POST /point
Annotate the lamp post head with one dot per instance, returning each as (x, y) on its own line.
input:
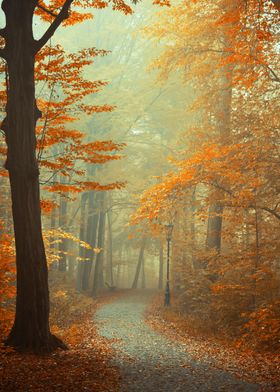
(168, 230)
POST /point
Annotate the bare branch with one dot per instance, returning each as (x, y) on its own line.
(275, 78)
(273, 212)
(63, 14)
(229, 192)
(43, 135)
(46, 10)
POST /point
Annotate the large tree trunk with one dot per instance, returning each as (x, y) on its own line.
(223, 124)
(214, 228)
(30, 330)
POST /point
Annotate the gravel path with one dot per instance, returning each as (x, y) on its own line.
(149, 361)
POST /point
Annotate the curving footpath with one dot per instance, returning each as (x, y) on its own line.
(149, 361)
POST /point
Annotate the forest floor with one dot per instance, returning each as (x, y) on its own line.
(261, 368)
(84, 367)
(152, 361)
(125, 342)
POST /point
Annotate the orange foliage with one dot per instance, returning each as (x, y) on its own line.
(79, 15)
(227, 54)
(47, 206)
(63, 75)
(263, 327)
(82, 186)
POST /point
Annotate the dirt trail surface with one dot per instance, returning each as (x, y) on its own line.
(149, 361)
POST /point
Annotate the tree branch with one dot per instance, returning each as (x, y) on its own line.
(273, 212)
(46, 10)
(275, 78)
(267, 209)
(62, 15)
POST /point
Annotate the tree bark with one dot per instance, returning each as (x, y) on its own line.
(30, 331)
(214, 228)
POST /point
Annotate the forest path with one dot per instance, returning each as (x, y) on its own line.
(149, 361)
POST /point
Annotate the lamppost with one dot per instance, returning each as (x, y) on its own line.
(169, 229)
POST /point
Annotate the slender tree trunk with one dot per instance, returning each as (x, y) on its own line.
(139, 264)
(119, 264)
(82, 237)
(71, 266)
(193, 232)
(53, 244)
(62, 264)
(110, 276)
(53, 216)
(143, 282)
(92, 222)
(160, 275)
(98, 280)
(30, 330)
(257, 256)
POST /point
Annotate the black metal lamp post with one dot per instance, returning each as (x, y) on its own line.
(169, 229)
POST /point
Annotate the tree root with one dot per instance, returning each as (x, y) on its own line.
(34, 346)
